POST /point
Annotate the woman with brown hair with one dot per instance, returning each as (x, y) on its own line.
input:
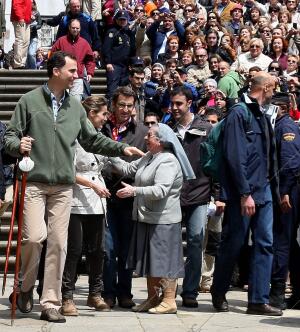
(279, 47)
(171, 50)
(87, 219)
(226, 49)
(190, 34)
(198, 42)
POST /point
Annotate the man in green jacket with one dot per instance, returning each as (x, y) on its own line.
(230, 81)
(46, 123)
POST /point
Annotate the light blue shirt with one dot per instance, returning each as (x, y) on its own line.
(56, 105)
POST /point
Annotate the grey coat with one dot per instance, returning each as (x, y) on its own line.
(158, 183)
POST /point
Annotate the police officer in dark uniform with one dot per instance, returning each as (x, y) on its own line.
(118, 47)
(286, 215)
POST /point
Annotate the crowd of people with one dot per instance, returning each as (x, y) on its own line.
(180, 75)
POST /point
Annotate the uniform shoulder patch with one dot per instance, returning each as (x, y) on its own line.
(111, 34)
(289, 136)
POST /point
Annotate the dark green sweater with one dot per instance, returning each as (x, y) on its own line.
(54, 145)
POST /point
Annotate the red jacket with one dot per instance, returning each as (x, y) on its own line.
(82, 51)
(21, 10)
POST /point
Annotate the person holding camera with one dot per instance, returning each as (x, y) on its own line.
(158, 34)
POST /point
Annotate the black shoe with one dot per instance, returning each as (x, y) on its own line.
(277, 294)
(24, 301)
(263, 309)
(189, 302)
(126, 302)
(293, 302)
(220, 303)
(110, 302)
(52, 315)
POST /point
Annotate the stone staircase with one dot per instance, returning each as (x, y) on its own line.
(13, 84)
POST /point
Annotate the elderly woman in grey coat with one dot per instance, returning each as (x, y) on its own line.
(156, 246)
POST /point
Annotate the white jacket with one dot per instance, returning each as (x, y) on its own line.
(85, 200)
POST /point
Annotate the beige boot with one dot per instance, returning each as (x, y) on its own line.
(168, 304)
(153, 299)
(68, 308)
(97, 302)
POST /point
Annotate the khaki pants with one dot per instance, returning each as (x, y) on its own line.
(54, 201)
(214, 224)
(22, 38)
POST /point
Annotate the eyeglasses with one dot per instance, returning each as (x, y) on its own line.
(254, 46)
(122, 106)
(274, 68)
(147, 123)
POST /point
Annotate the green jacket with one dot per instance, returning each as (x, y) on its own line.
(54, 146)
(230, 84)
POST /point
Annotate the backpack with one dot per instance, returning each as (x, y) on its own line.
(211, 151)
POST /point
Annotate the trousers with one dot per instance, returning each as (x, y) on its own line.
(55, 202)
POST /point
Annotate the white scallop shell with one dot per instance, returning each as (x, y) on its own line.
(26, 164)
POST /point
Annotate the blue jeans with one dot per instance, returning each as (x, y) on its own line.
(195, 218)
(234, 236)
(31, 55)
(116, 277)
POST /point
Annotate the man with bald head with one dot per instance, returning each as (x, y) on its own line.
(249, 184)
(230, 82)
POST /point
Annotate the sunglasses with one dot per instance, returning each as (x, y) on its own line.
(139, 10)
(292, 61)
(147, 123)
(155, 13)
(189, 10)
(275, 68)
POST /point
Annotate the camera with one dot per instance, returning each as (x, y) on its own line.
(172, 75)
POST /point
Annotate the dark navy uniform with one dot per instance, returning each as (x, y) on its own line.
(285, 224)
(118, 47)
(249, 167)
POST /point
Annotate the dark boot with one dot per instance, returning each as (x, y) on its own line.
(277, 293)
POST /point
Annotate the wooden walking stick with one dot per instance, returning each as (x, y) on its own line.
(25, 165)
(11, 230)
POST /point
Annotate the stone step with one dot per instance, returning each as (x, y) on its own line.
(11, 89)
(35, 73)
(7, 80)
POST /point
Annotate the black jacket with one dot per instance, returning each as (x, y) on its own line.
(199, 190)
(287, 134)
(118, 46)
(134, 136)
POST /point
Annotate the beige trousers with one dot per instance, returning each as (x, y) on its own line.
(54, 201)
(22, 38)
